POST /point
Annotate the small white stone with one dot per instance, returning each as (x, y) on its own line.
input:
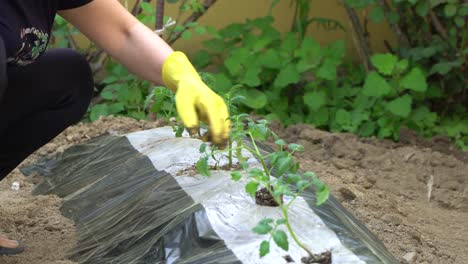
(15, 186)
(410, 257)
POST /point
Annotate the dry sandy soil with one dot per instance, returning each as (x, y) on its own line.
(413, 195)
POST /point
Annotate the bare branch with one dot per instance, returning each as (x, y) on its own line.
(192, 18)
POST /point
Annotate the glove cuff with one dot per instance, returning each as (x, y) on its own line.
(176, 68)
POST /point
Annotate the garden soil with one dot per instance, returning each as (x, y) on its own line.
(413, 195)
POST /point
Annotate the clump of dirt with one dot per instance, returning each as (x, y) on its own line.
(265, 198)
(323, 258)
(413, 194)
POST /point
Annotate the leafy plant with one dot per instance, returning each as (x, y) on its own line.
(279, 175)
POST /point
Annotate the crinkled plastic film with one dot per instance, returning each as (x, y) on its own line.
(138, 199)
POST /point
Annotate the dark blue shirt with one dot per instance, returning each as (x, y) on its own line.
(25, 26)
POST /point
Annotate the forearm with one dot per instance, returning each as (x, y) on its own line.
(113, 28)
(143, 52)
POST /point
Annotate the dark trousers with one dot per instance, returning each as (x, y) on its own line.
(40, 100)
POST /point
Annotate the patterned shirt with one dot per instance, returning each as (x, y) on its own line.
(25, 26)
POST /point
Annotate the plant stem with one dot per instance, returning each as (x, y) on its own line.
(257, 152)
(293, 235)
(230, 153)
(284, 209)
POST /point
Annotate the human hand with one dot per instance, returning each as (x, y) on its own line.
(195, 101)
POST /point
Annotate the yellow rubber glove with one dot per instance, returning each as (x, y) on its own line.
(195, 101)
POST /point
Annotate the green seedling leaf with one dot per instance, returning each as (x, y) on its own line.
(281, 239)
(251, 188)
(375, 85)
(322, 195)
(284, 163)
(400, 106)
(256, 173)
(415, 80)
(281, 221)
(264, 248)
(266, 221)
(296, 147)
(180, 130)
(280, 142)
(309, 174)
(385, 63)
(202, 148)
(202, 166)
(262, 228)
(236, 176)
(260, 131)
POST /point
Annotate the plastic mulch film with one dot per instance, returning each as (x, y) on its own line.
(138, 199)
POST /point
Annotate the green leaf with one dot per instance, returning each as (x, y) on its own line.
(280, 142)
(97, 111)
(422, 8)
(315, 100)
(108, 93)
(343, 118)
(262, 228)
(327, 70)
(322, 195)
(375, 85)
(460, 21)
(186, 35)
(264, 248)
(202, 167)
(402, 66)
(296, 147)
(415, 80)
(377, 14)
(250, 77)
(393, 17)
(400, 106)
(385, 63)
(202, 59)
(287, 75)
(367, 129)
(116, 108)
(281, 221)
(251, 188)
(450, 10)
(290, 42)
(202, 148)
(236, 176)
(270, 59)
(253, 98)
(445, 67)
(256, 173)
(284, 163)
(233, 64)
(281, 239)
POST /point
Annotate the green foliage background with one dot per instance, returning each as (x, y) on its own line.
(419, 84)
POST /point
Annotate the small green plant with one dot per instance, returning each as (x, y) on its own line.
(278, 176)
